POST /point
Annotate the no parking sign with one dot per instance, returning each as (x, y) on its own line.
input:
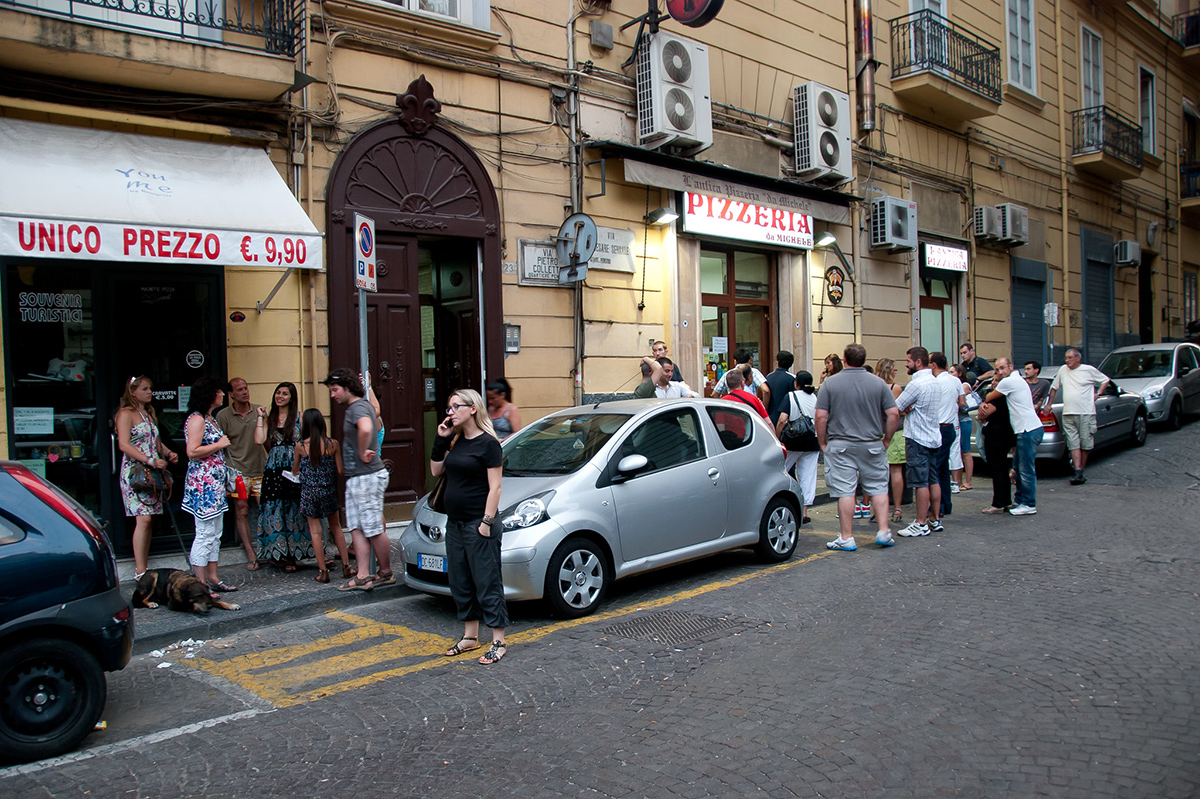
(364, 253)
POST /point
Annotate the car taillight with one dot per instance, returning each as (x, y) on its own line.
(1049, 421)
(56, 499)
(122, 615)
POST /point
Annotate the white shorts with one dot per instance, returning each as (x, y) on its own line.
(364, 502)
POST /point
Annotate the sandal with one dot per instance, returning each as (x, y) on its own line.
(383, 578)
(494, 653)
(357, 584)
(348, 570)
(288, 565)
(322, 576)
(222, 587)
(992, 509)
(458, 648)
(896, 517)
(253, 566)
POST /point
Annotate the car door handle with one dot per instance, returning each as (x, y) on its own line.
(714, 473)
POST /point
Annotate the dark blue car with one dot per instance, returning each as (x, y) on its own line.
(63, 621)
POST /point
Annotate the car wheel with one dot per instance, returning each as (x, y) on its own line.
(1175, 415)
(777, 535)
(52, 693)
(1139, 430)
(576, 578)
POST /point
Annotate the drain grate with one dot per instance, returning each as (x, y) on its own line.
(672, 627)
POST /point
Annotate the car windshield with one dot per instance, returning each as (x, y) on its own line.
(1138, 364)
(559, 444)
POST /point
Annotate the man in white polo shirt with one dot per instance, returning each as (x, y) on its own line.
(1028, 429)
(1078, 382)
(921, 401)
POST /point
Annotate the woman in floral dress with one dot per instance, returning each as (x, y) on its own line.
(137, 437)
(282, 532)
(204, 486)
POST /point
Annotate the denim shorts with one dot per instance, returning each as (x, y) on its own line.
(920, 464)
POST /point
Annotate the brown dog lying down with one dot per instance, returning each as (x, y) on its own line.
(178, 590)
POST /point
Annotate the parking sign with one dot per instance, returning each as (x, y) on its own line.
(364, 253)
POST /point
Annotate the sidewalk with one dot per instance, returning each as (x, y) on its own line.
(267, 596)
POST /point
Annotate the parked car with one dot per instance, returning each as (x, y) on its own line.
(63, 620)
(597, 493)
(1121, 417)
(1166, 375)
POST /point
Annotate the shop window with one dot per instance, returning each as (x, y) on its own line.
(469, 12)
(1191, 303)
(738, 292)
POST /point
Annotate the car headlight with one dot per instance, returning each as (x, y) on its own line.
(1153, 393)
(527, 512)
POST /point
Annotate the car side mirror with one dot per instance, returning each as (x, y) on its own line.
(629, 466)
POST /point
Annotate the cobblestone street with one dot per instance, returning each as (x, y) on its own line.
(1051, 655)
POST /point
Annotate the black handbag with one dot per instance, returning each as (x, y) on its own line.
(437, 498)
(799, 434)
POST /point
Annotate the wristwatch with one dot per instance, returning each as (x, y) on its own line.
(488, 519)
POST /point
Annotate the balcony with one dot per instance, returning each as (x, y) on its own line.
(1106, 144)
(941, 71)
(1189, 190)
(1187, 33)
(227, 48)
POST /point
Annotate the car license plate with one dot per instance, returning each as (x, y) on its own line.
(433, 563)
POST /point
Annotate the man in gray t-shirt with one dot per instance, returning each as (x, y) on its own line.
(856, 417)
(366, 481)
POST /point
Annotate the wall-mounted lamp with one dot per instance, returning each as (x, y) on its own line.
(827, 239)
(661, 216)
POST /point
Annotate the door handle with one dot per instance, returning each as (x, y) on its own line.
(112, 448)
(714, 473)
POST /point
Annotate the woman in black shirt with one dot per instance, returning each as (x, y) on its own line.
(468, 451)
(998, 441)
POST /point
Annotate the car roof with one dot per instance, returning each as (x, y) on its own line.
(636, 406)
(1160, 347)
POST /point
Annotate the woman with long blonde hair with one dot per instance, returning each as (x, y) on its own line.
(468, 452)
(137, 438)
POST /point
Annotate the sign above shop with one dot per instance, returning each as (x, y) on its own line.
(952, 259)
(746, 221)
(99, 195)
(667, 178)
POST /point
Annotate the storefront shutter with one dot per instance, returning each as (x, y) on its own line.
(1028, 300)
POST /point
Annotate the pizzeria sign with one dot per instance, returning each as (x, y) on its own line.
(745, 220)
(952, 259)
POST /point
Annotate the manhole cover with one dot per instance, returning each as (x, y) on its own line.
(673, 627)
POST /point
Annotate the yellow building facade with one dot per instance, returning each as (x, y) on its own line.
(469, 131)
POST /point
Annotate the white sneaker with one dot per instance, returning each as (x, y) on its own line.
(915, 529)
(953, 487)
(884, 539)
(1022, 510)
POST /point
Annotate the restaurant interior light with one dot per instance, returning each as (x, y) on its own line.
(661, 216)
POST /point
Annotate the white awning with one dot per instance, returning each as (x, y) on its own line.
(99, 195)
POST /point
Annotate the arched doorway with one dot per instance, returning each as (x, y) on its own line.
(435, 324)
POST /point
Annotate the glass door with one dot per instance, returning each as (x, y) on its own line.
(737, 294)
(937, 316)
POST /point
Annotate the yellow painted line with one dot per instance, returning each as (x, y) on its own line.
(268, 675)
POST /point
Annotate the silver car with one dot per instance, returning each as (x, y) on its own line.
(1166, 375)
(601, 492)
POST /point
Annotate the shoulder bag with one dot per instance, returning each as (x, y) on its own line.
(799, 434)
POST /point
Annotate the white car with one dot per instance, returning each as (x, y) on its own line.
(1166, 375)
(601, 492)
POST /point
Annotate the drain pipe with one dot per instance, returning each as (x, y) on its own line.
(864, 64)
(576, 187)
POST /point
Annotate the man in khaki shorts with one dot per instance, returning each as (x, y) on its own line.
(1078, 382)
(245, 425)
(856, 418)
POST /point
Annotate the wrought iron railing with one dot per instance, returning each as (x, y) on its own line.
(274, 26)
(928, 42)
(1187, 28)
(1189, 181)
(1100, 129)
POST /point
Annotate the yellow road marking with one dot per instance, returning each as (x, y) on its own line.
(281, 675)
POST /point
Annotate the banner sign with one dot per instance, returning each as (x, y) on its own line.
(746, 221)
(109, 241)
(952, 259)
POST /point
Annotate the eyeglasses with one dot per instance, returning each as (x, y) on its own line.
(450, 411)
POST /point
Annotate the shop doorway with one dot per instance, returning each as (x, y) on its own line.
(74, 337)
(435, 324)
(937, 316)
(738, 293)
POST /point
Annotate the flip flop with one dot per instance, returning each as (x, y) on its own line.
(253, 566)
(222, 587)
(991, 509)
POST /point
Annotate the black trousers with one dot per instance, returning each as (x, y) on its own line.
(999, 463)
(943, 468)
(473, 562)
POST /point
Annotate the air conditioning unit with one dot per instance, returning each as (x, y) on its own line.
(985, 223)
(822, 117)
(893, 224)
(1128, 252)
(1014, 224)
(673, 100)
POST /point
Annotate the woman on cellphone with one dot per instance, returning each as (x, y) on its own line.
(468, 452)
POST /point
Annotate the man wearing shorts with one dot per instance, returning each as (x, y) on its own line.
(856, 418)
(921, 401)
(1080, 384)
(366, 481)
(240, 421)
